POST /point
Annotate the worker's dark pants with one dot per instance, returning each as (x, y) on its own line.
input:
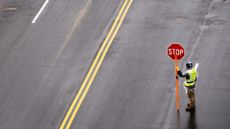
(191, 96)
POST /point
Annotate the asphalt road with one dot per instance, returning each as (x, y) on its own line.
(43, 64)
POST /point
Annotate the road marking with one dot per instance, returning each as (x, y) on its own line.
(77, 102)
(40, 11)
(70, 33)
(98, 67)
(91, 69)
(8, 9)
(77, 22)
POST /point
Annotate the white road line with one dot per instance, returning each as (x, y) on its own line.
(39, 12)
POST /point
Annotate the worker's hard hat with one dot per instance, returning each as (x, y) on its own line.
(189, 65)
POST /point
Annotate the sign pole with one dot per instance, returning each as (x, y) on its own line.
(176, 52)
(177, 88)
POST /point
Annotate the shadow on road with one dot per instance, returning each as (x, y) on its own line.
(178, 120)
(192, 124)
(191, 121)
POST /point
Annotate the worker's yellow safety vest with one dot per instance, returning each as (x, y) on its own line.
(192, 77)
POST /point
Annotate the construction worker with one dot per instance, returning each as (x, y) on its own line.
(190, 82)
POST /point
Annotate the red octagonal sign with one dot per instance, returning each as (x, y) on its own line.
(175, 51)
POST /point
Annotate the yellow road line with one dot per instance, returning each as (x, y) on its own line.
(119, 19)
(91, 69)
(97, 68)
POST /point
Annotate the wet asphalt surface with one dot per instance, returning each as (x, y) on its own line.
(42, 65)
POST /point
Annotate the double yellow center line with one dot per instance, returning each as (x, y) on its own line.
(80, 96)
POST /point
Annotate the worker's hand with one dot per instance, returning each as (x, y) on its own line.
(177, 69)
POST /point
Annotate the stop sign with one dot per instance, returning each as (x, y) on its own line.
(175, 51)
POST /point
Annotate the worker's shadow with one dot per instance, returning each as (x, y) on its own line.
(191, 123)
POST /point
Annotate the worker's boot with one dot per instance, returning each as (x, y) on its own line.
(190, 108)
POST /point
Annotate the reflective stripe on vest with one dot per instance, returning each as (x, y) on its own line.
(192, 77)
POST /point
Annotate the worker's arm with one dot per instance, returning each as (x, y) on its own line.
(185, 75)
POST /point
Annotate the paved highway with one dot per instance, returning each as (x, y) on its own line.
(44, 64)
